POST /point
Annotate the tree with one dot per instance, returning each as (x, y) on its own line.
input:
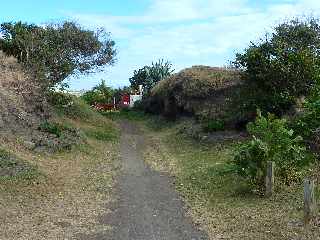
(148, 76)
(282, 67)
(99, 94)
(56, 51)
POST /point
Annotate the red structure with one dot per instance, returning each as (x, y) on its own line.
(125, 100)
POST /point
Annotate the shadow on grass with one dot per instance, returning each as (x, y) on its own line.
(154, 122)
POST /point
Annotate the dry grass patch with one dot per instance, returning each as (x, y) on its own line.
(69, 195)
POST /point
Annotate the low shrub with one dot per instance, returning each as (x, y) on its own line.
(213, 125)
(271, 141)
(139, 105)
(309, 121)
(13, 167)
(70, 106)
(52, 128)
(61, 136)
(59, 99)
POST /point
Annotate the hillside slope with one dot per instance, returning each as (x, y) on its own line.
(22, 106)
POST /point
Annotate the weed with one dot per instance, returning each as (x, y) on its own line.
(213, 125)
(13, 168)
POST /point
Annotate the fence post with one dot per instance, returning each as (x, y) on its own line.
(269, 178)
(309, 200)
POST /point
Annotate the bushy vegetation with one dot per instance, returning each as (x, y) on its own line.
(271, 140)
(149, 76)
(70, 106)
(50, 127)
(11, 167)
(213, 125)
(55, 51)
(307, 122)
(280, 68)
(99, 94)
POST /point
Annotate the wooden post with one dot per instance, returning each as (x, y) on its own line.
(309, 200)
(269, 179)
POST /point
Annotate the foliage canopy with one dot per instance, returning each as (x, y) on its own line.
(56, 51)
(99, 94)
(273, 141)
(280, 68)
(148, 76)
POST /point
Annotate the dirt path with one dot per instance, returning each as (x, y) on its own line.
(148, 207)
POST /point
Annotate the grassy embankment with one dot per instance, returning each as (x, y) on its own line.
(62, 194)
(218, 200)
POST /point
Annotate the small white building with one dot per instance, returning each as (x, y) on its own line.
(134, 98)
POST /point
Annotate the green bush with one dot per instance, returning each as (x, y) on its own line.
(70, 106)
(79, 110)
(12, 167)
(308, 122)
(59, 99)
(53, 128)
(99, 94)
(213, 125)
(271, 141)
(280, 68)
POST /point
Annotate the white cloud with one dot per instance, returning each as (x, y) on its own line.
(191, 32)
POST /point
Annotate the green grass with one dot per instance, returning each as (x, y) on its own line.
(13, 168)
(221, 200)
(125, 114)
(102, 134)
(79, 117)
(205, 169)
(154, 122)
(213, 125)
(74, 108)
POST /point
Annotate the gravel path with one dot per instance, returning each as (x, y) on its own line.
(147, 208)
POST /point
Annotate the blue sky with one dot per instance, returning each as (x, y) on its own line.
(186, 32)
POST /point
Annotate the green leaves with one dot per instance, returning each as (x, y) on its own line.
(148, 76)
(56, 51)
(271, 141)
(99, 94)
(283, 66)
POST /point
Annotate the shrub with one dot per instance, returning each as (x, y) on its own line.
(308, 122)
(139, 105)
(12, 167)
(99, 94)
(281, 67)
(59, 99)
(271, 141)
(50, 127)
(70, 106)
(213, 125)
